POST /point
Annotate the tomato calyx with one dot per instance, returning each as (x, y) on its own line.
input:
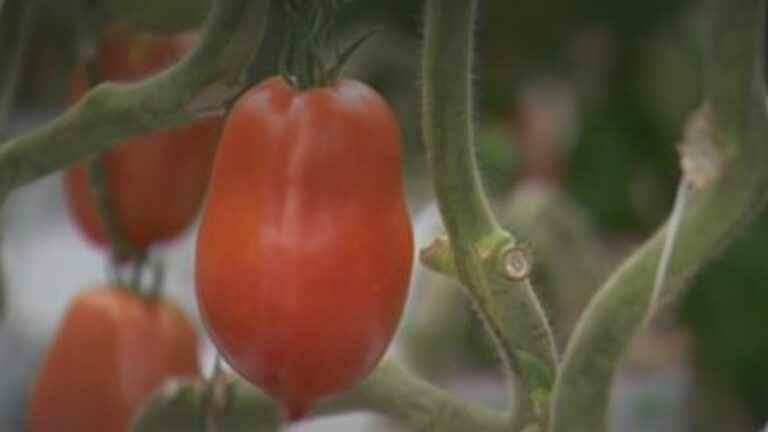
(307, 37)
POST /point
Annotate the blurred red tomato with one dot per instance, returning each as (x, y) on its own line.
(155, 182)
(111, 351)
(304, 253)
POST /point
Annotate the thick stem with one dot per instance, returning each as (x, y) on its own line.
(448, 119)
(203, 81)
(716, 211)
(509, 308)
(390, 390)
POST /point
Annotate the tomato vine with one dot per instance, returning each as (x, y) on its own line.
(210, 77)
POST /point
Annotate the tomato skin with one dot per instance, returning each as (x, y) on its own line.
(155, 182)
(305, 248)
(111, 351)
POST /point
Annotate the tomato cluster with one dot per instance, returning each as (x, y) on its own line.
(303, 256)
(304, 253)
(114, 346)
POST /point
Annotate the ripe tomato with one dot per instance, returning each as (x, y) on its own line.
(155, 182)
(305, 249)
(111, 351)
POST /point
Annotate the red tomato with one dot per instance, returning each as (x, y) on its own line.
(304, 253)
(155, 182)
(111, 351)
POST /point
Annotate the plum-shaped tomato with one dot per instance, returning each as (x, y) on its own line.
(305, 249)
(111, 351)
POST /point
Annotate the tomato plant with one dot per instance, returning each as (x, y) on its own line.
(156, 182)
(305, 249)
(111, 350)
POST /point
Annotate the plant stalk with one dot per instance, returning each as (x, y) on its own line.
(204, 81)
(509, 309)
(390, 390)
(733, 135)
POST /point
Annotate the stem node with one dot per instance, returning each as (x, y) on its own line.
(516, 263)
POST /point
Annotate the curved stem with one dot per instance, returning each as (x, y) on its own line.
(203, 81)
(448, 119)
(734, 140)
(509, 308)
(389, 390)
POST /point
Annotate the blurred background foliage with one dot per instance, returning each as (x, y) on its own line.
(585, 97)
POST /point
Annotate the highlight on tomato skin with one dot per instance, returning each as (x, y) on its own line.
(155, 182)
(305, 249)
(111, 351)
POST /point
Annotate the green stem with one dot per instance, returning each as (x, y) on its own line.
(716, 211)
(120, 247)
(306, 36)
(204, 81)
(509, 308)
(448, 119)
(390, 390)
